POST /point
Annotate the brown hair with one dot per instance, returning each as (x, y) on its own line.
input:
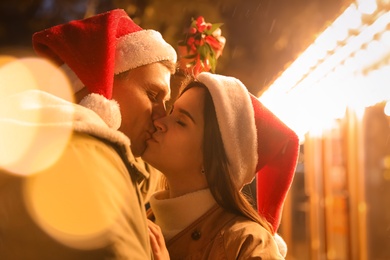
(84, 91)
(170, 65)
(216, 166)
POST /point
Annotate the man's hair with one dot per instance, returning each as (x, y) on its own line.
(168, 64)
(172, 67)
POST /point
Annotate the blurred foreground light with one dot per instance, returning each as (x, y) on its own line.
(36, 122)
(32, 132)
(72, 214)
(17, 75)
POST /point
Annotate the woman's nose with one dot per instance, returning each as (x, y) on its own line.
(160, 124)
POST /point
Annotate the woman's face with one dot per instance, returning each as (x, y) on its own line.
(176, 147)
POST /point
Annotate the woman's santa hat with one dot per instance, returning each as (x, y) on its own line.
(94, 49)
(255, 141)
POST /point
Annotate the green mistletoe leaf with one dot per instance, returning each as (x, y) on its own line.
(214, 27)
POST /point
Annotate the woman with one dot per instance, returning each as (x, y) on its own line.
(207, 149)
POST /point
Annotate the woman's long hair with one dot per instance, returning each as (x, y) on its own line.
(216, 166)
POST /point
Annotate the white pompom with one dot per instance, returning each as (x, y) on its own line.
(282, 246)
(107, 109)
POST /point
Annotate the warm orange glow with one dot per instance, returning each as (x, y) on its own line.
(312, 93)
(384, 2)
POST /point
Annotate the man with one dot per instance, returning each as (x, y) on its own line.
(87, 204)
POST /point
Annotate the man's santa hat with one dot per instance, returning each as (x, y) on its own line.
(94, 49)
(255, 141)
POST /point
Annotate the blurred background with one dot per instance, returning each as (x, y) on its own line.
(322, 66)
(263, 36)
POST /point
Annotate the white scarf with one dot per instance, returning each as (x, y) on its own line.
(174, 215)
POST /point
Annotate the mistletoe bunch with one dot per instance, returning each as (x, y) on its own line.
(202, 46)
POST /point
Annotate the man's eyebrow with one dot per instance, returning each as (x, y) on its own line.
(183, 111)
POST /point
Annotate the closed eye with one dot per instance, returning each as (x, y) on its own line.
(180, 123)
(179, 115)
(152, 97)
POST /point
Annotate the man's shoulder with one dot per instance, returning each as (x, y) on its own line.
(90, 147)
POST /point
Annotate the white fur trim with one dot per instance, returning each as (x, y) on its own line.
(75, 82)
(282, 246)
(107, 109)
(236, 121)
(132, 51)
(141, 48)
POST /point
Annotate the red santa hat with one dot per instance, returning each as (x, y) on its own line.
(255, 141)
(94, 49)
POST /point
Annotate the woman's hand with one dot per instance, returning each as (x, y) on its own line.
(160, 251)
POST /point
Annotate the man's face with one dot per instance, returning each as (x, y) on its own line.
(141, 94)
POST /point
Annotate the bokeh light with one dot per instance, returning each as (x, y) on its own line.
(36, 124)
(33, 133)
(68, 207)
